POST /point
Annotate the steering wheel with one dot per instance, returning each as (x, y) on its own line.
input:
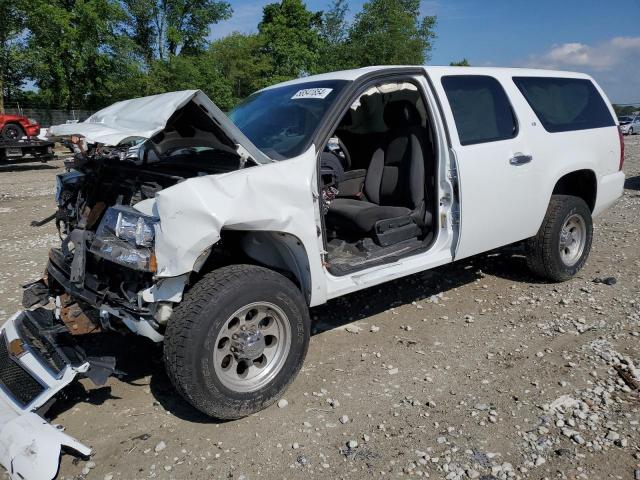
(345, 158)
(347, 155)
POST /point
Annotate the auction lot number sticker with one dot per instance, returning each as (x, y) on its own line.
(312, 93)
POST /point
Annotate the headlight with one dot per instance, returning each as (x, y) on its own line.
(67, 182)
(129, 225)
(125, 236)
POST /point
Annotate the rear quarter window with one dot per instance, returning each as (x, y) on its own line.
(565, 104)
(481, 109)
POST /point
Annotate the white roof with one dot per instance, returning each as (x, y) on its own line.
(436, 69)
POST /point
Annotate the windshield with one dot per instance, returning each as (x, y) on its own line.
(281, 121)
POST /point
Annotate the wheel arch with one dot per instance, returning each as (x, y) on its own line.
(279, 251)
(581, 183)
(15, 123)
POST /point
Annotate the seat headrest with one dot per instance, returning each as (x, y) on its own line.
(401, 113)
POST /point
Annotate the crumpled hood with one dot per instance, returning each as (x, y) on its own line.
(146, 116)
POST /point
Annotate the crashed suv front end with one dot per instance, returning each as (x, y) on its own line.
(105, 274)
(106, 266)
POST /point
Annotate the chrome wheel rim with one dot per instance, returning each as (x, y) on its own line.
(252, 347)
(573, 238)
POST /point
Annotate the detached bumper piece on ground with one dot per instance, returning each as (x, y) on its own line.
(38, 358)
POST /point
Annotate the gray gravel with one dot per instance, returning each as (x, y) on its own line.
(474, 370)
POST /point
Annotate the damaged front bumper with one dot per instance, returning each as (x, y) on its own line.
(93, 293)
(37, 360)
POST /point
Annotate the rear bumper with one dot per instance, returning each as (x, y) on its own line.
(610, 188)
(33, 369)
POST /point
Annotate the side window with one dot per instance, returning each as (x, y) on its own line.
(565, 104)
(481, 109)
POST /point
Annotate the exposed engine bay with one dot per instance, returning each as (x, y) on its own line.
(106, 258)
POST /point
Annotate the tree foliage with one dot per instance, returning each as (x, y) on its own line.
(626, 109)
(241, 61)
(334, 34)
(289, 39)
(391, 32)
(461, 63)
(75, 49)
(90, 53)
(12, 62)
(163, 28)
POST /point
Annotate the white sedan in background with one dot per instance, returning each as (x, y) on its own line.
(631, 127)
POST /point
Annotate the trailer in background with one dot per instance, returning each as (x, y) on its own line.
(26, 150)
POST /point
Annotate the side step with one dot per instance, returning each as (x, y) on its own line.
(37, 360)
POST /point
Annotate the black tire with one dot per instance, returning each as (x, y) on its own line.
(11, 131)
(543, 251)
(631, 131)
(194, 327)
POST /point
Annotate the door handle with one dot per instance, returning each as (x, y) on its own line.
(518, 160)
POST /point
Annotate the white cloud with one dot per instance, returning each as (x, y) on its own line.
(614, 63)
(601, 57)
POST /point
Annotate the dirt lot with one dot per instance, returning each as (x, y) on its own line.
(474, 370)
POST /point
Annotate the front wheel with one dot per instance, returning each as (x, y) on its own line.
(562, 245)
(237, 340)
(631, 131)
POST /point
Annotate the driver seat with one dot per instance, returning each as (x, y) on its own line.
(393, 205)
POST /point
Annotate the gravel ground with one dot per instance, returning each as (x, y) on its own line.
(473, 370)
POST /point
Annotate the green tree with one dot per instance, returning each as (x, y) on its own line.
(625, 109)
(141, 23)
(241, 62)
(289, 36)
(187, 72)
(389, 32)
(76, 50)
(162, 28)
(462, 63)
(334, 33)
(12, 72)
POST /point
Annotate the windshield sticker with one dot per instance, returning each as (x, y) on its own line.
(320, 93)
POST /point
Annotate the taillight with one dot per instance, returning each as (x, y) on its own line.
(621, 148)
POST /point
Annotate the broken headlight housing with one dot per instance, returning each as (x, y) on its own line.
(126, 237)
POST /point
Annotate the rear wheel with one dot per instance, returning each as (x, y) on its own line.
(562, 245)
(237, 340)
(12, 131)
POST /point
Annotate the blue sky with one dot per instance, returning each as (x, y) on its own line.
(601, 38)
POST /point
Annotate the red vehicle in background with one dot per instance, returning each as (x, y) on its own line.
(14, 127)
(19, 140)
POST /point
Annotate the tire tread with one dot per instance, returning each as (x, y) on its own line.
(211, 288)
(541, 248)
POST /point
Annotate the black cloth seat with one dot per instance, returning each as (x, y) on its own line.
(361, 216)
(394, 186)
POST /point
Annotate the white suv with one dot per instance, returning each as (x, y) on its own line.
(215, 234)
